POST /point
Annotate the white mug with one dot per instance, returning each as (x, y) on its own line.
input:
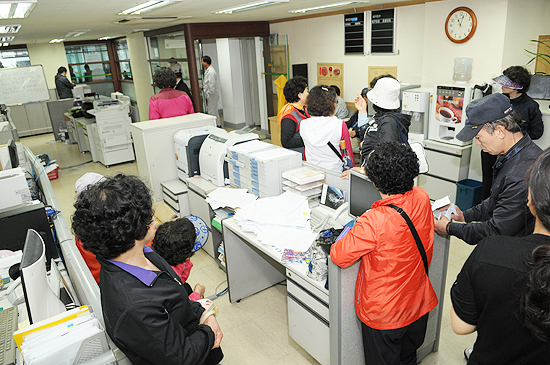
(446, 115)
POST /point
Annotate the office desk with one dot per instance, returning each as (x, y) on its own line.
(253, 267)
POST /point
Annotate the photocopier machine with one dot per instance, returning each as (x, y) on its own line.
(110, 136)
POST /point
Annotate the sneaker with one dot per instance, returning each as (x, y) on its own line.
(467, 353)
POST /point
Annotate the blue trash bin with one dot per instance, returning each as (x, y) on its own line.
(468, 193)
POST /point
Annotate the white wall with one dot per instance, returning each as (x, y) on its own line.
(322, 40)
(141, 72)
(426, 55)
(485, 47)
(523, 24)
(50, 56)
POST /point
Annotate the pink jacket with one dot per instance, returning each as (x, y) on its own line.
(183, 270)
(169, 103)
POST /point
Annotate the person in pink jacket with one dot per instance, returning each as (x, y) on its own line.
(168, 102)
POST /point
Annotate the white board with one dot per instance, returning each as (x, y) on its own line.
(23, 85)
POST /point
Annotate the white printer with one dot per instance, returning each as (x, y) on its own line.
(213, 151)
(187, 144)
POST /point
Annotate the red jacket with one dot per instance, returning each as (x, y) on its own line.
(392, 289)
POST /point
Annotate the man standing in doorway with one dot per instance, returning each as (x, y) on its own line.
(211, 88)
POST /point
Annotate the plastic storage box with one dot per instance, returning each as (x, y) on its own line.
(468, 193)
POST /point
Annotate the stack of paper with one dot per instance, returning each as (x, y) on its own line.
(67, 338)
(229, 197)
(280, 222)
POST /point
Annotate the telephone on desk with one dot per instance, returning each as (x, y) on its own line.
(14, 292)
(319, 220)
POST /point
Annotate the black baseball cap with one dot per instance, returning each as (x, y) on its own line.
(485, 110)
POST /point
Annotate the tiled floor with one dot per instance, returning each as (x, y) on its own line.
(255, 330)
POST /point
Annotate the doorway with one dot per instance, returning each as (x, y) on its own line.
(240, 66)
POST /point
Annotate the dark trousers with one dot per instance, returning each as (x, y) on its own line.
(394, 347)
(487, 162)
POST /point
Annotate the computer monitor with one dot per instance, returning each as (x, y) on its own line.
(15, 221)
(14, 157)
(41, 301)
(362, 194)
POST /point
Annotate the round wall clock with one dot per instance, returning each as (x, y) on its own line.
(461, 24)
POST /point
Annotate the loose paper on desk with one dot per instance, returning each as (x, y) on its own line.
(280, 222)
(440, 203)
(228, 197)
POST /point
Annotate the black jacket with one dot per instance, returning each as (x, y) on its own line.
(505, 212)
(530, 114)
(64, 87)
(182, 86)
(150, 317)
(290, 129)
(384, 128)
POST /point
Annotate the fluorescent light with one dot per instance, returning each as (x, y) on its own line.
(76, 33)
(7, 39)
(57, 40)
(328, 6)
(249, 6)
(5, 44)
(10, 28)
(148, 6)
(16, 9)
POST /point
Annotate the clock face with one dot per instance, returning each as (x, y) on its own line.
(460, 25)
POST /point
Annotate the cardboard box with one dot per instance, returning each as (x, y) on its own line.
(163, 213)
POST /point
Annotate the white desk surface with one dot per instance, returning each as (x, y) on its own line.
(298, 269)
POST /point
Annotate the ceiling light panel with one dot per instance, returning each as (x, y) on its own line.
(9, 28)
(328, 6)
(249, 6)
(148, 6)
(7, 39)
(16, 9)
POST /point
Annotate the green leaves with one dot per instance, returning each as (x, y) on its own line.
(543, 56)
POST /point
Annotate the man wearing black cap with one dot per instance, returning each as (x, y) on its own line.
(496, 130)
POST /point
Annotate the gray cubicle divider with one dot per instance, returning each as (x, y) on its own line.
(20, 85)
(346, 343)
(57, 109)
(80, 276)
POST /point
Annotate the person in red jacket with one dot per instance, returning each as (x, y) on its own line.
(393, 294)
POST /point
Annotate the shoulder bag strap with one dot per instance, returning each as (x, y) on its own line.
(335, 151)
(414, 233)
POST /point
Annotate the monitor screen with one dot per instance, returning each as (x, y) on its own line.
(14, 157)
(15, 221)
(362, 194)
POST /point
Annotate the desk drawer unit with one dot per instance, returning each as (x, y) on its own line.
(174, 193)
(308, 317)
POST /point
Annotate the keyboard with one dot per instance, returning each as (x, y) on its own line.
(8, 325)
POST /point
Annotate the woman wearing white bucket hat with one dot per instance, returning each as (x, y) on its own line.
(388, 123)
